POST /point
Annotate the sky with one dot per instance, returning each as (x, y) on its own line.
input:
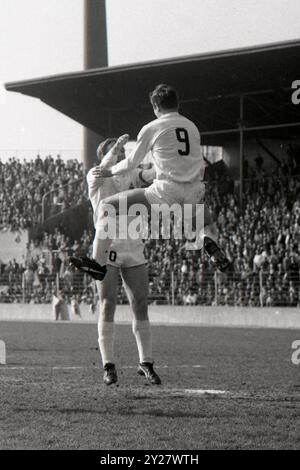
(45, 37)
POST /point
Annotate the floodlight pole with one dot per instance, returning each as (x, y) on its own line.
(241, 131)
(95, 56)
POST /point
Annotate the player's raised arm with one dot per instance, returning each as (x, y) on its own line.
(138, 154)
(112, 156)
(107, 160)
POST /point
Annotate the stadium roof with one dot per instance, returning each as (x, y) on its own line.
(114, 100)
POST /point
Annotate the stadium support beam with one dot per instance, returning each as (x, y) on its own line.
(95, 55)
(268, 151)
(241, 129)
(252, 128)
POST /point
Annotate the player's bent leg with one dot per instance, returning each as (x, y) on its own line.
(211, 246)
(207, 238)
(217, 256)
(210, 231)
(124, 200)
(107, 291)
(89, 265)
(136, 285)
(207, 225)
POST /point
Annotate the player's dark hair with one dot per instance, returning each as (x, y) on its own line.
(164, 96)
(105, 146)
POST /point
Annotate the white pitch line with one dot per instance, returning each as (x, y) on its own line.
(181, 366)
(137, 391)
(204, 392)
(189, 391)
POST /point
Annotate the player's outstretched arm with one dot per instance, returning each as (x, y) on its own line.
(111, 157)
(142, 147)
(104, 169)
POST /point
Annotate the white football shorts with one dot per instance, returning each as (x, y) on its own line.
(126, 253)
(169, 192)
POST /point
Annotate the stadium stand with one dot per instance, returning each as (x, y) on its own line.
(263, 240)
(24, 183)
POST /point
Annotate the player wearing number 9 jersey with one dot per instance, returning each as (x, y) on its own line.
(126, 257)
(174, 142)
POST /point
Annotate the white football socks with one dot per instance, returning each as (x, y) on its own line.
(106, 336)
(142, 333)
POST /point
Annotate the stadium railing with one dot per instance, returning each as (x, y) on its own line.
(248, 290)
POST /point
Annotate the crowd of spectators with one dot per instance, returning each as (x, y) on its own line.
(45, 270)
(262, 239)
(24, 183)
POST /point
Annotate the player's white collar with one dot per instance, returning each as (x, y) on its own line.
(168, 114)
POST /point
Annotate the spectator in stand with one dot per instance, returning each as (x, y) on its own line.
(263, 240)
(23, 185)
(190, 298)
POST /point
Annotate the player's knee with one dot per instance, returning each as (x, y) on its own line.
(140, 308)
(107, 309)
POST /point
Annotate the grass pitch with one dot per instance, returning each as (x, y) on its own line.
(52, 395)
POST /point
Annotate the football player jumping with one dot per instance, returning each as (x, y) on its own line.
(174, 142)
(125, 257)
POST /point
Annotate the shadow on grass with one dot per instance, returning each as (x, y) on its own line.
(117, 412)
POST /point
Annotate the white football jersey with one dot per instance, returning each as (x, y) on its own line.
(100, 188)
(174, 142)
